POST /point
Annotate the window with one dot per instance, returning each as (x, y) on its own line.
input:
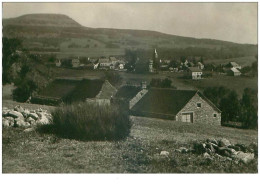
(214, 115)
(198, 105)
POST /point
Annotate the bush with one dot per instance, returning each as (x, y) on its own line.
(86, 121)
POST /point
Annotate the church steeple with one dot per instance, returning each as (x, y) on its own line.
(155, 53)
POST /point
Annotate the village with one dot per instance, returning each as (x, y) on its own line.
(80, 98)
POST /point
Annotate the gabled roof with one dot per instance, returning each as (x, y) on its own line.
(235, 70)
(113, 58)
(107, 91)
(164, 100)
(234, 64)
(167, 101)
(195, 69)
(103, 60)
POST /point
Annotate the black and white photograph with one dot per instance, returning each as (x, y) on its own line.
(129, 88)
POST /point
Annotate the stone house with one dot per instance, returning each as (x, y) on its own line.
(188, 106)
(194, 73)
(104, 63)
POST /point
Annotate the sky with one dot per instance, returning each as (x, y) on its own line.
(235, 22)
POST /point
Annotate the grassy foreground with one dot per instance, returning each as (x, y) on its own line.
(139, 153)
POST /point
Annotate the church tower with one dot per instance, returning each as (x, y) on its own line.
(155, 60)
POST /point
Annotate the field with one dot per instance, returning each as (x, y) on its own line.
(242, 61)
(139, 153)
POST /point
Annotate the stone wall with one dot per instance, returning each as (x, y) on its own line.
(203, 114)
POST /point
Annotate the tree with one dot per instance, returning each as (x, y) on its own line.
(248, 113)
(24, 90)
(9, 57)
(230, 107)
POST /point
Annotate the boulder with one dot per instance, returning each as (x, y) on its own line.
(200, 148)
(224, 143)
(9, 119)
(164, 153)
(29, 129)
(21, 123)
(242, 147)
(184, 150)
(206, 155)
(15, 114)
(43, 120)
(34, 116)
(29, 119)
(18, 108)
(244, 157)
(26, 113)
(5, 123)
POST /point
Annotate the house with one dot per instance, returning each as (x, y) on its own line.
(75, 63)
(104, 63)
(200, 65)
(189, 106)
(234, 72)
(58, 64)
(113, 60)
(233, 65)
(194, 73)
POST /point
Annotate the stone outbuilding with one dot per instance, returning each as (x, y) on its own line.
(188, 106)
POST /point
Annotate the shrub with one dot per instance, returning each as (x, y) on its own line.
(86, 121)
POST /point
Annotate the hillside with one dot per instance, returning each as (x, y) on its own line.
(57, 20)
(59, 34)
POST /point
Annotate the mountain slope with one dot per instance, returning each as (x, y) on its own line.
(57, 20)
(59, 34)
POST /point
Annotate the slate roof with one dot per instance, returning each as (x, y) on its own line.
(107, 91)
(167, 101)
(164, 100)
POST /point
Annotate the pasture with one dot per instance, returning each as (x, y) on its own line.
(139, 153)
(242, 61)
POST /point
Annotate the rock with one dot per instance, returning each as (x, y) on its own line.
(5, 113)
(9, 119)
(210, 147)
(206, 155)
(21, 123)
(224, 151)
(29, 119)
(29, 129)
(26, 113)
(164, 153)
(242, 147)
(184, 150)
(34, 116)
(15, 114)
(234, 147)
(5, 123)
(18, 108)
(43, 121)
(214, 141)
(254, 147)
(5, 108)
(224, 142)
(244, 157)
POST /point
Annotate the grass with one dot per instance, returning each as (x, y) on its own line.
(242, 61)
(139, 153)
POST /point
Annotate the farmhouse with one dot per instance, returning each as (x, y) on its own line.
(194, 73)
(75, 63)
(104, 63)
(233, 65)
(69, 90)
(181, 105)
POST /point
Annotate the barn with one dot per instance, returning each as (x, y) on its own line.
(181, 105)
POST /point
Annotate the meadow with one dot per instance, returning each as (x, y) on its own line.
(139, 153)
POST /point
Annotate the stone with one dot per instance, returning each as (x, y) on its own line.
(254, 147)
(29, 129)
(21, 123)
(224, 151)
(200, 148)
(18, 108)
(184, 150)
(5, 113)
(29, 119)
(164, 153)
(34, 116)
(9, 119)
(5, 123)
(244, 157)
(26, 113)
(43, 121)
(224, 143)
(206, 155)
(15, 114)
